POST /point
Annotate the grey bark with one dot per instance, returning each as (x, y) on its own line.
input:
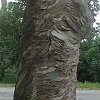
(3, 3)
(49, 48)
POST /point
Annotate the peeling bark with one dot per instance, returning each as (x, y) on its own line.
(49, 49)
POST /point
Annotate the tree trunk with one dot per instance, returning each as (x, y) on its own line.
(3, 3)
(49, 48)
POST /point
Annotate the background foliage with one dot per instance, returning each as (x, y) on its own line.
(10, 20)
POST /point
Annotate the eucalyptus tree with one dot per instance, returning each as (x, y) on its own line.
(49, 48)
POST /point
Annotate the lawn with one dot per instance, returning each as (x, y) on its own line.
(6, 85)
(88, 85)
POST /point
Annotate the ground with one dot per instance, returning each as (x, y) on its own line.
(88, 94)
(6, 93)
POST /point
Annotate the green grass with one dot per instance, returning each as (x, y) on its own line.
(88, 85)
(6, 85)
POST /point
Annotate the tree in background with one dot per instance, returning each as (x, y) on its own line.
(84, 67)
(10, 19)
(3, 3)
(49, 48)
(89, 66)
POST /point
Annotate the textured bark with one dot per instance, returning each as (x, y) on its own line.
(49, 48)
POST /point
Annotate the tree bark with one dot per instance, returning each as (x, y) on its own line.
(49, 48)
(3, 3)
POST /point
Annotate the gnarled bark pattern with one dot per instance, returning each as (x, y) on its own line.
(49, 48)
